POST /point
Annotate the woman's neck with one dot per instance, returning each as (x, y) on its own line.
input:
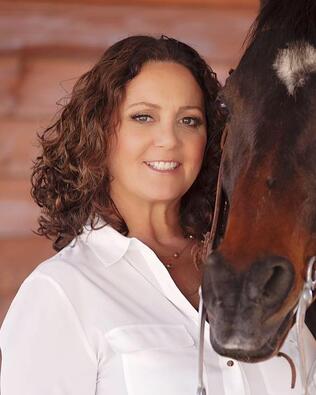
(151, 222)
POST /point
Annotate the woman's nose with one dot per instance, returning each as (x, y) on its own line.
(166, 136)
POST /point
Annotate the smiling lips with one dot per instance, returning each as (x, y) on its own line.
(163, 166)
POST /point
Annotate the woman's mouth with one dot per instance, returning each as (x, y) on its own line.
(163, 166)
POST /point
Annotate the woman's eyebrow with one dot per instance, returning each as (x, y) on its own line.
(144, 103)
(191, 108)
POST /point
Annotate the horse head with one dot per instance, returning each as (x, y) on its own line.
(253, 280)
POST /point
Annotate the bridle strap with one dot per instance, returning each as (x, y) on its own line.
(209, 244)
(210, 237)
(202, 317)
(218, 201)
(305, 300)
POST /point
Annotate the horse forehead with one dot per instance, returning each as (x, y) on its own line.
(294, 64)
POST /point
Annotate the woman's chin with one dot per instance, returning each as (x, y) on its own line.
(161, 198)
(162, 193)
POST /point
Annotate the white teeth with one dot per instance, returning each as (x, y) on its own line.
(163, 165)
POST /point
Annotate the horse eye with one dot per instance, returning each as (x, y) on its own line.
(224, 109)
(271, 182)
(222, 220)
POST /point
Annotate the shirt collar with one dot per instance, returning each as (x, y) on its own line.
(106, 242)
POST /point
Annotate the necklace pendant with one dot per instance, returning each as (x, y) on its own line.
(176, 255)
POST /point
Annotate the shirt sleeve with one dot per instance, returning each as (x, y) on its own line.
(44, 347)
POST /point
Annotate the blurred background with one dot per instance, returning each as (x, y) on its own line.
(44, 48)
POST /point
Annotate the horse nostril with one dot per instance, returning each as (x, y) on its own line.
(270, 281)
(274, 283)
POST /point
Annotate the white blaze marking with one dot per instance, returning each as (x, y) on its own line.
(294, 64)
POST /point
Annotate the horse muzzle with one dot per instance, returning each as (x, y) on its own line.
(247, 309)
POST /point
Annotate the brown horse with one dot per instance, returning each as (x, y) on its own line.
(253, 281)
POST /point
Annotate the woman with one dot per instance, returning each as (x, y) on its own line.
(126, 183)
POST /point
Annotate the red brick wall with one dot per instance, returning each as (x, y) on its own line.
(43, 49)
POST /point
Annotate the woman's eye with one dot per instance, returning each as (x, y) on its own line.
(191, 121)
(143, 118)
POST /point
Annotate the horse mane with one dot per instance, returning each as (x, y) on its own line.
(294, 20)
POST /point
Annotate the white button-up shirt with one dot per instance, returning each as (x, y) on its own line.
(104, 317)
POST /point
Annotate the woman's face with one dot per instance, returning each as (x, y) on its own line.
(160, 141)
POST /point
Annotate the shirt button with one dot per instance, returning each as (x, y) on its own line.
(230, 363)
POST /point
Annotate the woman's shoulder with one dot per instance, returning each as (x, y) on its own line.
(68, 266)
(55, 284)
(90, 254)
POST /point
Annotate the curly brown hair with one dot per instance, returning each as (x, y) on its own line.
(70, 180)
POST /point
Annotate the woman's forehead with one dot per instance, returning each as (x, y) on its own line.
(164, 82)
